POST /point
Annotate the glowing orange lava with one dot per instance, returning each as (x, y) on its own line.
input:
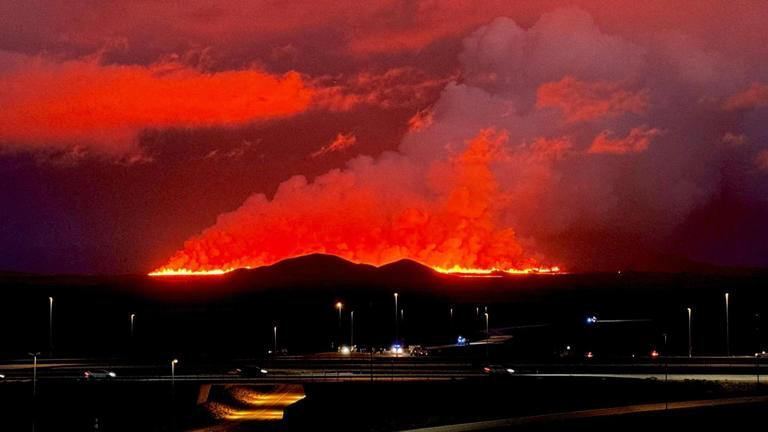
(456, 270)
(491, 271)
(189, 272)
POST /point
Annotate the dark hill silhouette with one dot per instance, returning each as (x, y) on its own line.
(406, 268)
(316, 266)
(322, 268)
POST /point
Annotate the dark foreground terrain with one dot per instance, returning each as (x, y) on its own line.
(121, 406)
(235, 314)
(210, 324)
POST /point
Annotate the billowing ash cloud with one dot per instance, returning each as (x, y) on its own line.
(443, 213)
(559, 143)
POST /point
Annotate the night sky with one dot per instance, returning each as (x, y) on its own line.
(590, 135)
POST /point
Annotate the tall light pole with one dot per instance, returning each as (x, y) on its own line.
(757, 333)
(690, 345)
(50, 324)
(351, 329)
(727, 325)
(34, 372)
(339, 334)
(759, 351)
(274, 339)
(397, 318)
(133, 323)
(487, 334)
(174, 362)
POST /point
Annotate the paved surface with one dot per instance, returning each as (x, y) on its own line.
(600, 412)
(361, 368)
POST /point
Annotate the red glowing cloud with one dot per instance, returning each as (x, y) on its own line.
(48, 103)
(637, 141)
(421, 120)
(392, 88)
(584, 101)
(341, 142)
(761, 160)
(755, 96)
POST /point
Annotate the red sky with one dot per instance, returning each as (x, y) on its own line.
(632, 131)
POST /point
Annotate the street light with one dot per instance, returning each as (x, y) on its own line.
(133, 321)
(727, 326)
(339, 335)
(50, 324)
(757, 332)
(351, 329)
(487, 334)
(174, 362)
(396, 318)
(274, 333)
(759, 353)
(690, 346)
(34, 372)
(339, 306)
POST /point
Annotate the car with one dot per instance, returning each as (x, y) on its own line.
(248, 371)
(498, 370)
(418, 351)
(99, 374)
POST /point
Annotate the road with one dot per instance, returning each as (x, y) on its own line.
(336, 368)
(499, 424)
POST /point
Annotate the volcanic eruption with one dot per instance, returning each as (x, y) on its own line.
(444, 215)
(557, 144)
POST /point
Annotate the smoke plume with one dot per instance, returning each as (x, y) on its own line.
(559, 144)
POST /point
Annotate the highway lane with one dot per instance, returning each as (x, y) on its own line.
(303, 369)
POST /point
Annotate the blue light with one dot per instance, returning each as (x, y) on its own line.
(461, 341)
(591, 319)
